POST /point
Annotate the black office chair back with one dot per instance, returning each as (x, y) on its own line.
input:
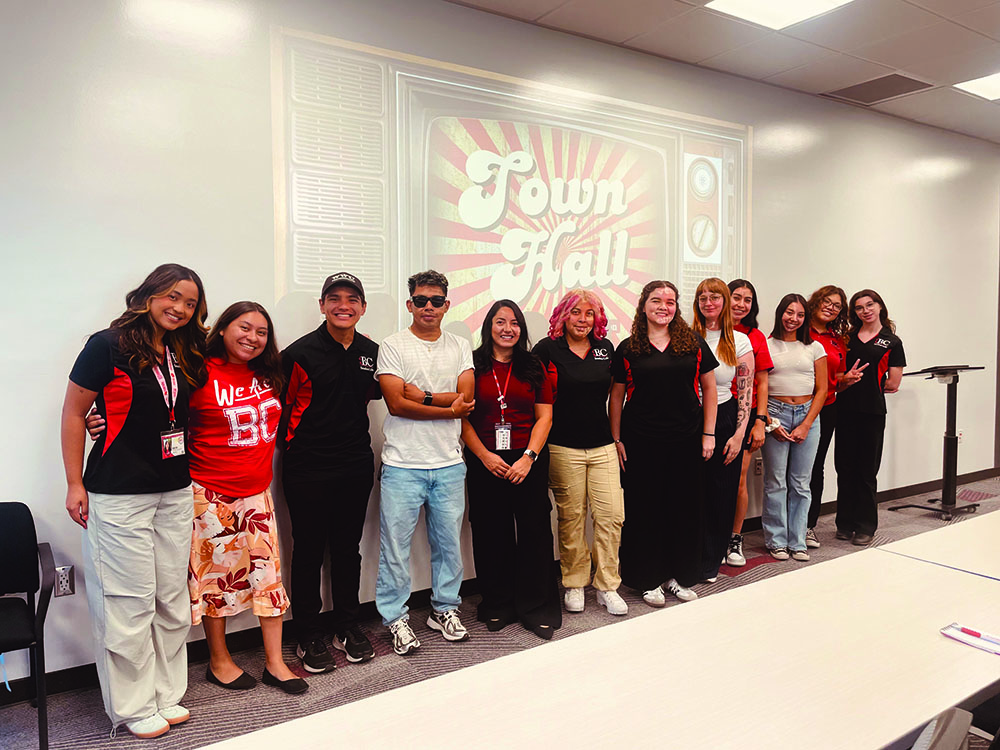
(18, 550)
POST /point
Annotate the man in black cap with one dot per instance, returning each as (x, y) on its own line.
(328, 468)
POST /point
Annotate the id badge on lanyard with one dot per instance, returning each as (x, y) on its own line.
(171, 439)
(503, 427)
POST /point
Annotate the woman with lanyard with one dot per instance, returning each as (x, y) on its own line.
(134, 499)
(828, 322)
(744, 307)
(876, 352)
(507, 479)
(583, 462)
(733, 384)
(234, 558)
(663, 437)
(797, 389)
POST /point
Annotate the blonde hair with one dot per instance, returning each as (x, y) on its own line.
(727, 342)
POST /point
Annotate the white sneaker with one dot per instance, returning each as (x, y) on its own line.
(403, 639)
(655, 597)
(613, 602)
(779, 553)
(151, 726)
(448, 624)
(574, 600)
(812, 540)
(713, 579)
(684, 594)
(175, 714)
(735, 556)
(801, 555)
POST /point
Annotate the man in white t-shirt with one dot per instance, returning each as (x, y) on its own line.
(426, 377)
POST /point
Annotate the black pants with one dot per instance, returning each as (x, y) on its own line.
(827, 424)
(722, 482)
(664, 482)
(326, 510)
(857, 456)
(512, 543)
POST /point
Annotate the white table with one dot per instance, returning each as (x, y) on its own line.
(968, 545)
(845, 654)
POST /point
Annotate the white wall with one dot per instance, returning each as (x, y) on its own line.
(122, 150)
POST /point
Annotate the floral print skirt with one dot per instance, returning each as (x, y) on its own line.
(234, 557)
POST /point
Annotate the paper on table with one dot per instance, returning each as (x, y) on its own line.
(954, 631)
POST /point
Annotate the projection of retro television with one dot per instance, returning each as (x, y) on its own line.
(512, 189)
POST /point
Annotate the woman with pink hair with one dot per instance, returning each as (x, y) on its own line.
(583, 459)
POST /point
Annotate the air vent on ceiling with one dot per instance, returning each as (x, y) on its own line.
(878, 89)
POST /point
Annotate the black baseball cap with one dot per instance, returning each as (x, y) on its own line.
(342, 277)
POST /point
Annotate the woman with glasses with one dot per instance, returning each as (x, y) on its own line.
(663, 437)
(583, 466)
(733, 377)
(876, 352)
(828, 325)
(797, 389)
(744, 307)
(508, 466)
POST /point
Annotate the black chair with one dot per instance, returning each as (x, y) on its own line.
(21, 624)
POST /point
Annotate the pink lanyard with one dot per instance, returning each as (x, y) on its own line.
(170, 402)
(502, 394)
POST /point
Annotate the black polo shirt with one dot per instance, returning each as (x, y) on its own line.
(661, 389)
(325, 415)
(127, 458)
(580, 412)
(885, 350)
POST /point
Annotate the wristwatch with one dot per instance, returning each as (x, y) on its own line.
(531, 454)
(428, 398)
(762, 417)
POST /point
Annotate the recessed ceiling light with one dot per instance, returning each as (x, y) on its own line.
(987, 87)
(775, 14)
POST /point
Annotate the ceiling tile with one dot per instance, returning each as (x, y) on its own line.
(696, 36)
(951, 8)
(861, 22)
(948, 108)
(830, 73)
(767, 56)
(985, 20)
(613, 22)
(528, 10)
(963, 66)
(926, 43)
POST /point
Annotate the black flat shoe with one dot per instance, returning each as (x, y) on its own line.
(845, 535)
(243, 682)
(862, 540)
(495, 624)
(294, 686)
(542, 631)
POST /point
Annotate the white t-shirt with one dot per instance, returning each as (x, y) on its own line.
(724, 373)
(432, 366)
(794, 372)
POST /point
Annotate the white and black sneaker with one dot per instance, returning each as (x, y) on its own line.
(403, 639)
(355, 644)
(735, 555)
(448, 624)
(315, 657)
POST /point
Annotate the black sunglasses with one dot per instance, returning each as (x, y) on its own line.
(420, 300)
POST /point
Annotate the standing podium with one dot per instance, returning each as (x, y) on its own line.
(947, 374)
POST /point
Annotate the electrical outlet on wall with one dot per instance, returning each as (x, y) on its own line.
(758, 466)
(65, 581)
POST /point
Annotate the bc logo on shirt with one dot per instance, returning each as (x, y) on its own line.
(600, 355)
(366, 363)
(884, 343)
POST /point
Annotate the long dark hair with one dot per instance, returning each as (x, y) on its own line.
(267, 364)
(750, 319)
(883, 314)
(682, 338)
(527, 367)
(136, 332)
(802, 333)
(839, 325)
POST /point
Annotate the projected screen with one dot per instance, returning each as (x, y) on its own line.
(389, 165)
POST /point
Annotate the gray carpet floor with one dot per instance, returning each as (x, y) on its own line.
(77, 719)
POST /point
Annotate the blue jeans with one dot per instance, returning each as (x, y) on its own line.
(787, 471)
(404, 492)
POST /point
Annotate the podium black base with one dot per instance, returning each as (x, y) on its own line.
(946, 511)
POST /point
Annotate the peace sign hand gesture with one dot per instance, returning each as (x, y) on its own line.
(852, 376)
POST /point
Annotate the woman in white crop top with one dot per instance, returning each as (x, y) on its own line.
(797, 388)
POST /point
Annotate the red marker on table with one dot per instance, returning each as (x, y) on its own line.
(977, 634)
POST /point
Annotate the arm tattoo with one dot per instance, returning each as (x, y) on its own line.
(743, 391)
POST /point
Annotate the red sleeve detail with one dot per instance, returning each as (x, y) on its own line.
(117, 402)
(883, 368)
(549, 387)
(297, 399)
(697, 377)
(629, 383)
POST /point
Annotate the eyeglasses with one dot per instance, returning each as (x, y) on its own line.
(710, 298)
(420, 300)
(832, 305)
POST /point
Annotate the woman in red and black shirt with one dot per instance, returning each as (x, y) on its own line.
(507, 461)
(875, 351)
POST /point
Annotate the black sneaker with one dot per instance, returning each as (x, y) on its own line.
(355, 644)
(315, 657)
